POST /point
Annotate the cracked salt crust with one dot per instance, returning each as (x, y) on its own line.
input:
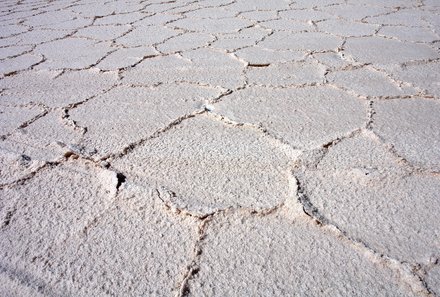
(13, 51)
(361, 188)
(260, 56)
(185, 42)
(53, 88)
(109, 131)
(219, 147)
(278, 254)
(58, 54)
(34, 228)
(369, 82)
(420, 143)
(210, 165)
(125, 57)
(246, 38)
(36, 37)
(296, 114)
(304, 15)
(385, 52)
(203, 66)
(12, 117)
(227, 25)
(103, 32)
(355, 11)
(425, 76)
(287, 74)
(304, 41)
(15, 166)
(347, 28)
(286, 25)
(146, 36)
(18, 63)
(414, 34)
(46, 138)
(156, 246)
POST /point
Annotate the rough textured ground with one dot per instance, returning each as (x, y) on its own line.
(220, 148)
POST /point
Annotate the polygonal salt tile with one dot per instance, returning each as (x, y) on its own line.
(16, 15)
(104, 33)
(245, 38)
(301, 4)
(15, 166)
(146, 36)
(48, 19)
(46, 210)
(13, 51)
(259, 16)
(287, 25)
(411, 127)
(7, 42)
(414, 34)
(332, 60)
(47, 88)
(433, 279)
(139, 248)
(72, 53)
(425, 76)
(93, 10)
(74, 24)
(126, 115)
(23, 62)
(47, 139)
(210, 13)
(126, 57)
(260, 56)
(306, 41)
(161, 7)
(363, 152)
(9, 30)
(279, 255)
(358, 188)
(304, 117)
(177, 11)
(386, 52)
(209, 165)
(210, 3)
(287, 74)
(369, 83)
(355, 11)
(120, 19)
(402, 17)
(53, 236)
(347, 28)
(380, 3)
(212, 26)
(202, 66)
(304, 15)
(12, 117)
(37, 36)
(244, 5)
(185, 42)
(156, 20)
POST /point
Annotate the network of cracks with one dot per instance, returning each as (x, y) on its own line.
(220, 148)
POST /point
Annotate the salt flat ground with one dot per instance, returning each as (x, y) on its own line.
(220, 148)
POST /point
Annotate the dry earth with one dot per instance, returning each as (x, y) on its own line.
(220, 148)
